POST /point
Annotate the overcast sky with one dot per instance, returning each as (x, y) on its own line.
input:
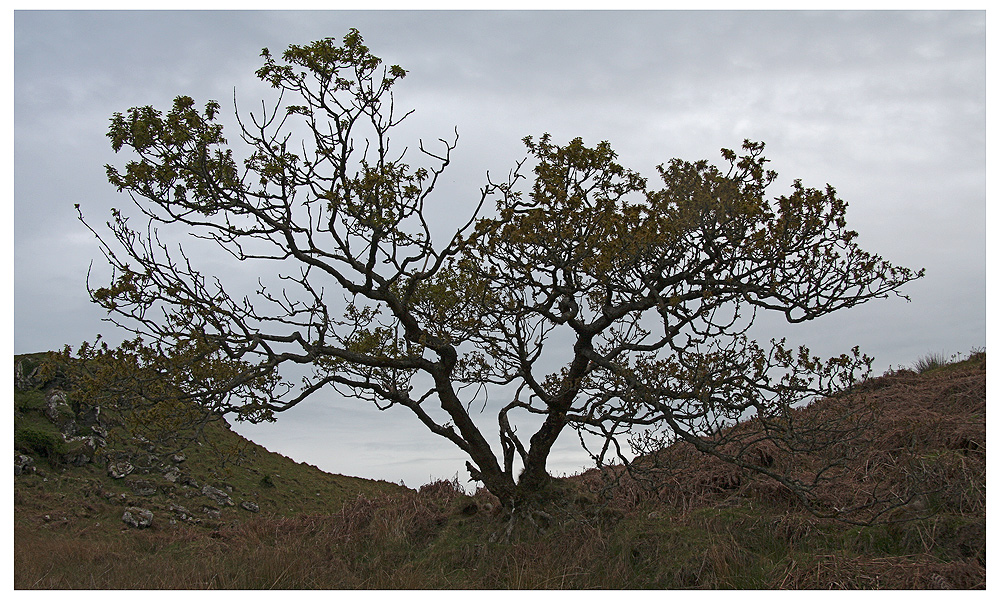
(888, 107)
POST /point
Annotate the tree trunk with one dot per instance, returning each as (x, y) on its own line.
(535, 478)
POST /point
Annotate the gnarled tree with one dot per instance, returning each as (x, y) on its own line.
(597, 301)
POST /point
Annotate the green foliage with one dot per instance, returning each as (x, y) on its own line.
(45, 443)
(31, 400)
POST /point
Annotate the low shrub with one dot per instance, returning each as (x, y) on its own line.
(46, 444)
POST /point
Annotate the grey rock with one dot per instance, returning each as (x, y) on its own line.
(221, 498)
(76, 459)
(88, 420)
(250, 506)
(139, 518)
(182, 513)
(119, 468)
(141, 487)
(23, 381)
(58, 411)
(23, 464)
(80, 450)
(172, 474)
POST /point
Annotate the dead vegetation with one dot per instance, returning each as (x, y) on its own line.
(922, 450)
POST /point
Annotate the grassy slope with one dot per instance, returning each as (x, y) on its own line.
(315, 530)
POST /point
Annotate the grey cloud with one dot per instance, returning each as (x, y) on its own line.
(889, 107)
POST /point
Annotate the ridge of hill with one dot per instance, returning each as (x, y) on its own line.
(707, 528)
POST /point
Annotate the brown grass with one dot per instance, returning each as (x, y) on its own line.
(925, 444)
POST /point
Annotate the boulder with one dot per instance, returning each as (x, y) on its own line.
(250, 506)
(139, 518)
(88, 421)
(58, 411)
(80, 450)
(81, 429)
(172, 474)
(119, 468)
(181, 512)
(23, 464)
(221, 498)
(142, 487)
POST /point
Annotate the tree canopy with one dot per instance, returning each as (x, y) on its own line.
(588, 297)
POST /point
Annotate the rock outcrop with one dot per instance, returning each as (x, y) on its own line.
(141, 487)
(23, 380)
(57, 411)
(82, 429)
(79, 435)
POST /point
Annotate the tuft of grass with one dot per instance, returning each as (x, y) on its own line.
(930, 362)
(937, 360)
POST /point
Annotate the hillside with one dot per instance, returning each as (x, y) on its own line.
(289, 525)
(69, 471)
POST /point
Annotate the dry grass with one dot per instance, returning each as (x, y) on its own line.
(925, 443)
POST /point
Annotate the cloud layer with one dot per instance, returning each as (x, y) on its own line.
(888, 107)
